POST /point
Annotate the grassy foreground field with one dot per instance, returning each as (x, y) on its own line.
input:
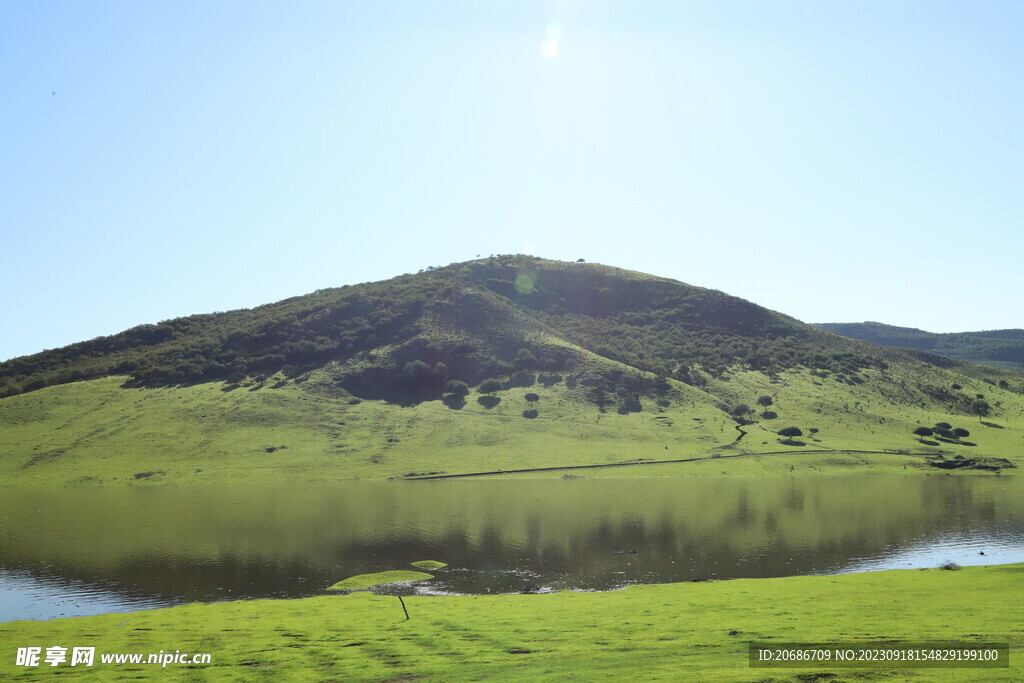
(693, 632)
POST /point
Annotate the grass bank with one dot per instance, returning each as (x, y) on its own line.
(691, 631)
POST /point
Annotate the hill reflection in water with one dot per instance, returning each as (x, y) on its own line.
(66, 552)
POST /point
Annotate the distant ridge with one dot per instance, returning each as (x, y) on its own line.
(1001, 348)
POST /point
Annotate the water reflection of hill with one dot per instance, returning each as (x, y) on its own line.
(203, 543)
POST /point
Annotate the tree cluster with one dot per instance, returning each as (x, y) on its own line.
(943, 430)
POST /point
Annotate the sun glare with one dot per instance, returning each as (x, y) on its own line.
(549, 48)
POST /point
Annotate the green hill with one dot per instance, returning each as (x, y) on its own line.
(508, 363)
(1000, 348)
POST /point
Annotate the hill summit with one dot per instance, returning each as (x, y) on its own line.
(476, 319)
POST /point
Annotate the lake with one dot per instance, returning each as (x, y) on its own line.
(78, 551)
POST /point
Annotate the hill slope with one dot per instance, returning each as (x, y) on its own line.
(1001, 348)
(590, 365)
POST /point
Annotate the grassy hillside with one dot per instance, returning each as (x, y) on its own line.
(390, 379)
(691, 631)
(1000, 348)
(98, 432)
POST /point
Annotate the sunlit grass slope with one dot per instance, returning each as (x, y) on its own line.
(99, 433)
(674, 632)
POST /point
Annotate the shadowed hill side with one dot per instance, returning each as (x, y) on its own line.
(474, 318)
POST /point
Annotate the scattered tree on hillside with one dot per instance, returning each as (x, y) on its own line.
(419, 380)
(440, 374)
(959, 433)
(525, 360)
(765, 401)
(790, 432)
(943, 425)
(630, 404)
(740, 410)
(944, 433)
(532, 398)
(490, 386)
(980, 408)
(922, 432)
(456, 387)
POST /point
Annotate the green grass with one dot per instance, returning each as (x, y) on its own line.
(429, 564)
(97, 433)
(692, 631)
(377, 579)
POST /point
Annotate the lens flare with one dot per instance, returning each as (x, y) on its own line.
(524, 283)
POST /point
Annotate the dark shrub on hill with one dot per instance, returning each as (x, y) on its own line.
(490, 386)
(741, 410)
(456, 387)
(630, 404)
(525, 360)
(521, 379)
(419, 381)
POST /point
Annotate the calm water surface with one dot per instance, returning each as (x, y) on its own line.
(71, 552)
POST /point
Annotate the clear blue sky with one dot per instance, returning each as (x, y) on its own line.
(836, 161)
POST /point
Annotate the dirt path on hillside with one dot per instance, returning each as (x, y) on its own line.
(739, 428)
(633, 463)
